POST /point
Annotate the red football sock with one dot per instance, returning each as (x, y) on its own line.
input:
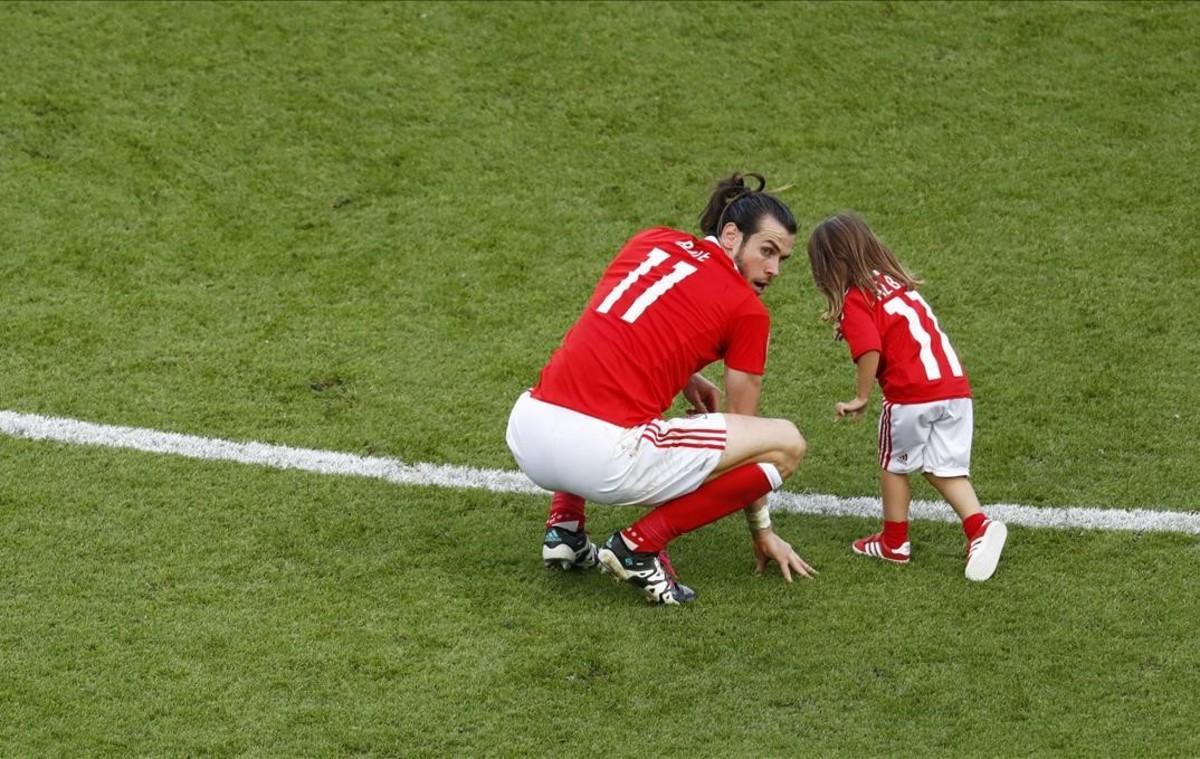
(973, 524)
(895, 534)
(731, 491)
(566, 510)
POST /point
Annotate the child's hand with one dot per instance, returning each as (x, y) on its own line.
(853, 409)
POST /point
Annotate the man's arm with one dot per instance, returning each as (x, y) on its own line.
(742, 392)
(704, 396)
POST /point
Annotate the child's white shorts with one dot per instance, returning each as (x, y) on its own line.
(928, 437)
(565, 450)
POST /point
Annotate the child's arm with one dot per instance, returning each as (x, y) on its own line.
(868, 364)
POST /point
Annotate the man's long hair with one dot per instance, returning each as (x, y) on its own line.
(735, 201)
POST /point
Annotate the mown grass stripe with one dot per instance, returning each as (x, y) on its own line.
(76, 432)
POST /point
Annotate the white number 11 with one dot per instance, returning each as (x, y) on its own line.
(932, 370)
(679, 272)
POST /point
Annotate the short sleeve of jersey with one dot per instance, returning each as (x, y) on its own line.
(748, 337)
(858, 326)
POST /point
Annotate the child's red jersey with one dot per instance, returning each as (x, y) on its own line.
(668, 305)
(917, 364)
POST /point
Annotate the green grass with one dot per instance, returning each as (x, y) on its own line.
(223, 609)
(363, 227)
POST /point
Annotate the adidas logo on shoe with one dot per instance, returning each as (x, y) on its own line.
(568, 549)
(983, 553)
(873, 546)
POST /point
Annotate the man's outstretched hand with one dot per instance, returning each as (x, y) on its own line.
(770, 547)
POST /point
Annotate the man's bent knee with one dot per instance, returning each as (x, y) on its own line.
(791, 451)
(788, 449)
(770, 441)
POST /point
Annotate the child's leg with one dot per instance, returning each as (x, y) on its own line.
(892, 542)
(985, 537)
(897, 497)
(901, 437)
(960, 494)
(949, 451)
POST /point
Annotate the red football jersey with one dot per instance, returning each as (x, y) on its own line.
(917, 364)
(667, 306)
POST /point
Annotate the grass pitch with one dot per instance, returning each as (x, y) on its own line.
(364, 226)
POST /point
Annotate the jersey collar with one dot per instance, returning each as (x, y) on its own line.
(724, 256)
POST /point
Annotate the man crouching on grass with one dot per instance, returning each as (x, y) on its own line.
(591, 428)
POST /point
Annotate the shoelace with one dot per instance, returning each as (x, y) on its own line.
(977, 540)
(974, 545)
(665, 559)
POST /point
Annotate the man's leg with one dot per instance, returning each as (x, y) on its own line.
(534, 434)
(567, 510)
(566, 543)
(708, 503)
(633, 554)
(755, 439)
(759, 455)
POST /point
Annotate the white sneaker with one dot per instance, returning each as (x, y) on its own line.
(983, 553)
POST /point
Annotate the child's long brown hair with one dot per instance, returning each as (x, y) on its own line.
(845, 253)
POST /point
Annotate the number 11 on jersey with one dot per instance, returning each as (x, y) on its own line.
(932, 371)
(679, 272)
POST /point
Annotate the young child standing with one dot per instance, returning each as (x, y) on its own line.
(926, 423)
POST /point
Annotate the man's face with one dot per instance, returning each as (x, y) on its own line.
(758, 256)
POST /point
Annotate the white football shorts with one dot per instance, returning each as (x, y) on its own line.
(561, 449)
(928, 437)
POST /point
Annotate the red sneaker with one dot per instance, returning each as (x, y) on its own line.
(873, 545)
(983, 553)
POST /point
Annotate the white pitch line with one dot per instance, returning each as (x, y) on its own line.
(75, 432)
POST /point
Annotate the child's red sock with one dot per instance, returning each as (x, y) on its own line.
(566, 511)
(731, 491)
(973, 525)
(895, 534)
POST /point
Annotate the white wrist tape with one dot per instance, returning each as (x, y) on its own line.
(760, 519)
